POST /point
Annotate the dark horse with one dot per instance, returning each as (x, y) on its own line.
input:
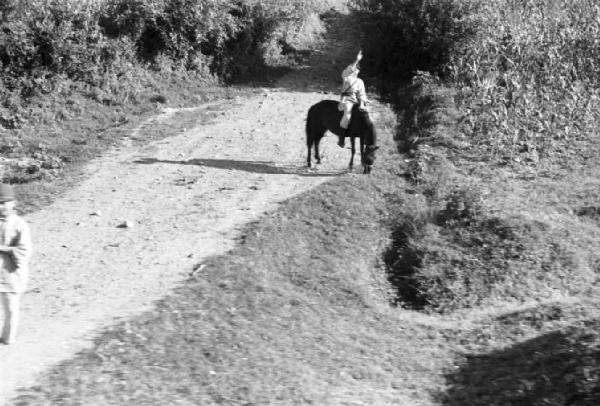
(325, 115)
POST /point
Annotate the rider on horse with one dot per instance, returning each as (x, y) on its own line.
(353, 92)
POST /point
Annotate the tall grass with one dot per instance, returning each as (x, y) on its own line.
(531, 78)
(527, 71)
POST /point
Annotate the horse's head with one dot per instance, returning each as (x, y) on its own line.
(369, 157)
(367, 131)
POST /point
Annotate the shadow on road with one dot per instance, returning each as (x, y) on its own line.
(264, 167)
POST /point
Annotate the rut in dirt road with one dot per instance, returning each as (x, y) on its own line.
(184, 199)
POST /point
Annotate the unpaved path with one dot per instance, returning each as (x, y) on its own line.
(185, 198)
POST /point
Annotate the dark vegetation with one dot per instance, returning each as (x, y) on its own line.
(413, 35)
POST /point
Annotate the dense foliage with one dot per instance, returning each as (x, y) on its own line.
(111, 44)
(526, 71)
(469, 261)
(405, 36)
(530, 79)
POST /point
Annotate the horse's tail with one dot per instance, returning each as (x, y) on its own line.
(309, 132)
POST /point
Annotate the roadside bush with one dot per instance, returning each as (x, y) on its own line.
(466, 258)
(462, 203)
(100, 44)
(432, 174)
(55, 42)
(427, 114)
(183, 30)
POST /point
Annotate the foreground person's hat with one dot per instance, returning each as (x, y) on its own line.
(7, 193)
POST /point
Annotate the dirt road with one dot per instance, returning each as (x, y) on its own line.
(145, 216)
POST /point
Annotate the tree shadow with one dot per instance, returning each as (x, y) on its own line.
(557, 368)
(263, 167)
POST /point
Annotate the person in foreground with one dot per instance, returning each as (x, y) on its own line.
(15, 253)
(353, 92)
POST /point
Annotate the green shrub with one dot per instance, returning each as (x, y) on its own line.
(53, 38)
(128, 17)
(55, 42)
(427, 114)
(467, 258)
(462, 203)
(183, 30)
(111, 45)
(432, 173)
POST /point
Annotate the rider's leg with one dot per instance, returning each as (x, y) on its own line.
(341, 138)
(344, 123)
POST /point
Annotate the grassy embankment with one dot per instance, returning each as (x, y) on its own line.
(501, 124)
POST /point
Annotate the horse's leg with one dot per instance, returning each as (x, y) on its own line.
(353, 149)
(362, 151)
(310, 140)
(309, 136)
(317, 154)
